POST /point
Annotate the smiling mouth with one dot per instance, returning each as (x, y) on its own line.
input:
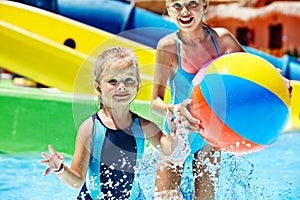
(120, 95)
(186, 21)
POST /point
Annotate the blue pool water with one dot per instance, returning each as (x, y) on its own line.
(273, 173)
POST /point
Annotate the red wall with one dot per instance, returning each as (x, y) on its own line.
(260, 26)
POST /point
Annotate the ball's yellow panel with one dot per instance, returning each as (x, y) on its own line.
(253, 68)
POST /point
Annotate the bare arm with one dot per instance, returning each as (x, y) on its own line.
(166, 59)
(73, 176)
(161, 141)
(163, 70)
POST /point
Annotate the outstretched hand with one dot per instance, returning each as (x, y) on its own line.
(53, 160)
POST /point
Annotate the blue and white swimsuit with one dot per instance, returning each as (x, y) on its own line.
(115, 154)
(181, 87)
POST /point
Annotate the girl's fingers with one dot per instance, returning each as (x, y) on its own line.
(51, 149)
(185, 123)
(61, 156)
(194, 129)
(185, 103)
(46, 162)
(47, 171)
(192, 119)
(45, 155)
(171, 122)
(186, 112)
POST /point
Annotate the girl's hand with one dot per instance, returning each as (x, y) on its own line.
(182, 110)
(193, 123)
(54, 161)
(171, 122)
(176, 122)
(287, 82)
(288, 85)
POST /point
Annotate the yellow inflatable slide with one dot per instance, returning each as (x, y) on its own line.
(59, 52)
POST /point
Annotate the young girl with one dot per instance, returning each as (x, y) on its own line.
(109, 144)
(179, 57)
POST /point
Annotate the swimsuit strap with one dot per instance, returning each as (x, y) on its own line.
(214, 40)
(98, 137)
(178, 50)
(140, 145)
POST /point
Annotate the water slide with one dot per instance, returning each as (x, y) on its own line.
(52, 49)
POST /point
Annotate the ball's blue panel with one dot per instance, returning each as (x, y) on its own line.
(249, 109)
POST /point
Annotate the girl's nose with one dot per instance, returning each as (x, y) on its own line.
(185, 9)
(121, 86)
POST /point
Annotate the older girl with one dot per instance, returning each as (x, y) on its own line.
(180, 55)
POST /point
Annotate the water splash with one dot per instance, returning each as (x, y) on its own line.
(211, 168)
(170, 195)
(237, 180)
(151, 159)
(182, 149)
(241, 170)
(147, 170)
(258, 176)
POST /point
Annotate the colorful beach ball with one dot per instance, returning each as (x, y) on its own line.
(242, 101)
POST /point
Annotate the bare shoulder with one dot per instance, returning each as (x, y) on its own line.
(166, 50)
(168, 42)
(222, 32)
(85, 130)
(226, 40)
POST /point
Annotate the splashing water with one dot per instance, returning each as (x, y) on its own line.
(240, 170)
(182, 149)
(211, 169)
(147, 170)
(241, 179)
(270, 174)
(151, 159)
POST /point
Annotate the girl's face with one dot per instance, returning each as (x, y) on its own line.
(187, 14)
(119, 84)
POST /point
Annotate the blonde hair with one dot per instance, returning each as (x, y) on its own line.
(111, 55)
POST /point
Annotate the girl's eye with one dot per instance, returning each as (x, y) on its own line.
(176, 5)
(112, 81)
(193, 4)
(129, 80)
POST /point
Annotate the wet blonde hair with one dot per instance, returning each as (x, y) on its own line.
(110, 56)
